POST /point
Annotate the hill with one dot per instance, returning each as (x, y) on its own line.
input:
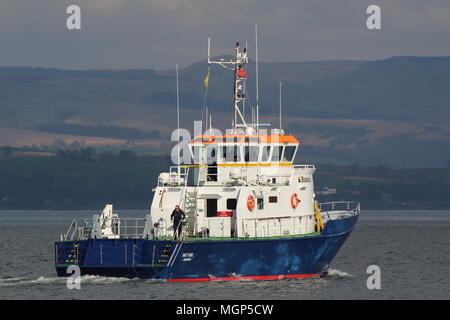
(393, 111)
(91, 181)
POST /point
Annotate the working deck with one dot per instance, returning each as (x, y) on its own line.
(138, 228)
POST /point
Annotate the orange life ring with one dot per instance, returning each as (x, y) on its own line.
(251, 202)
(294, 200)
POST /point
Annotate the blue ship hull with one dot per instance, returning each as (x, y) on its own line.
(204, 260)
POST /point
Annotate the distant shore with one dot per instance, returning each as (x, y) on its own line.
(86, 179)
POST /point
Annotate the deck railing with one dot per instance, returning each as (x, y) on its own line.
(339, 208)
(182, 176)
(133, 228)
(123, 228)
(71, 232)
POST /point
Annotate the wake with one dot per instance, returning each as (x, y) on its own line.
(334, 273)
(87, 279)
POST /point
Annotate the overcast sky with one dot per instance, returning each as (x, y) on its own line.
(159, 33)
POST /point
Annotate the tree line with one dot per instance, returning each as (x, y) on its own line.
(90, 154)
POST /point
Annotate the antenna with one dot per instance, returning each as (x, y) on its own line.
(253, 115)
(206, 119)
(209, 50)
(244, 89)
(178, 119)
(280, 104)
(257, 78)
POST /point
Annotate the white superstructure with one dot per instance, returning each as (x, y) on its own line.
(241, 184)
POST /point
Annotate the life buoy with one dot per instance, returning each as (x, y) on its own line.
(294, 200)
(251, 202)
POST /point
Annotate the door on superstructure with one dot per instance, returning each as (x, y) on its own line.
(211, 208)
(232, 205)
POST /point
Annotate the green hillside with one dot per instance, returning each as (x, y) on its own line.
(69, 183)
(393, 111)
(400, 88)
(127, 182)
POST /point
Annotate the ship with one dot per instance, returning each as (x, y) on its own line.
(249, 211)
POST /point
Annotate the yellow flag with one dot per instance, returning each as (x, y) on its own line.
(206, 81)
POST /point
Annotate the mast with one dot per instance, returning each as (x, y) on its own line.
(257, 78)
(244, 89)
(238, 67)
(235, 84)
(178, 119)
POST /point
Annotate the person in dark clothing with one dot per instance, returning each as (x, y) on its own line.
(177, 217)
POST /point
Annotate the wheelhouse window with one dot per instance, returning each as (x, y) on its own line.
(211, 155)
(196, 154)
(231, 153)
(251, 153)
(265, 153)
(276, 153)
(289, 152)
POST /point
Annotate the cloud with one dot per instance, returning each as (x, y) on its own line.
(102, 6)
(160, 33)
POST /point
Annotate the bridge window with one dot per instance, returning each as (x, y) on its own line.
(211, 155)
(276, 153)
(231, 153)
(196, 154)
(289, 152)
(251, 153)
(265, 153)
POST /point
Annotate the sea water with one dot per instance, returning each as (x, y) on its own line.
(411, 249)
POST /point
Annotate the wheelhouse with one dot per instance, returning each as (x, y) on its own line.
(235, 156)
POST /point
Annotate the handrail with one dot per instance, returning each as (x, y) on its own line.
(299, 227)
(135, 227)
(72, 229)
(122, 228)
(304, 166)
(179, 173)
(351, 207)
